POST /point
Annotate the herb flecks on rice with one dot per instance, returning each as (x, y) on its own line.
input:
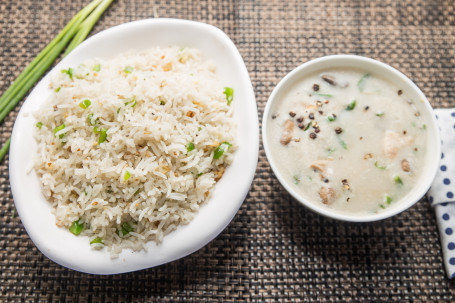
(136, 145)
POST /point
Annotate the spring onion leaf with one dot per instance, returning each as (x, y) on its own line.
(76, 227)
(5, 148)
(190, 146)
(361, 83)
(128, 69)
(219, 151)
(84, 104)
(96, 130)
(126, 176)
(126, 229)
(398, 180)
(200, 174)
(382, 206)
(229, 92)
(39, 125)
(69, 72)
(96, 68)
(136, 192)
(307, 126)
(97, 240)
(103, 135)
(59, 128)
(351, 105)
(380, 114)
(87, 25)
(57, 89)
(162, 102)
(331, 118)
(377, 165)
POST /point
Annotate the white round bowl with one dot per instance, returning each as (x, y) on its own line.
(75, 252)
(433, 148)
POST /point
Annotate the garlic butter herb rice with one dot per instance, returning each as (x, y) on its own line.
(129, 149)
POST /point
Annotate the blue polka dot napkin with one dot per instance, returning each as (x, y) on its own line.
(441, 193)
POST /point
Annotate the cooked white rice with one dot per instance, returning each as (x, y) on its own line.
(152, 104)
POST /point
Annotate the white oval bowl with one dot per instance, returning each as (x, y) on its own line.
(433, 147)
(58, 244)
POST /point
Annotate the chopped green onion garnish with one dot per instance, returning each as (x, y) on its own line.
(97, 240)
(126, 176)
(128, 69)
(91, 121)
(229, 92)
(136, 192)
(296, 179)
(84, 104)
(59, 128)
(132, 102)
(382, 206)
(103, 135)
(398, 180)
(190, 146)
(331, 118)
(162, 102)
(39, 125)
(69, 72)
(95, 130)
(57, 89)
(307, 126)
(361, 83)
(76, 227)
(322, 95)
(343, 144)
(200, 174)
(424, 126)
(376, 163)
(380, 114)
(351, 105)
(126, 229)
(219, 151)
(388, 199)
(96, 67)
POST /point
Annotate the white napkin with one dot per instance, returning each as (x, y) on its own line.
(442, 191)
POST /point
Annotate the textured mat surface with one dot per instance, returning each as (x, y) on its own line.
(274, 249)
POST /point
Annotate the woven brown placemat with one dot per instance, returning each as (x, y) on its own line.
(274, 249)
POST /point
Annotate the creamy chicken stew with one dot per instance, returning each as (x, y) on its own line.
(348, 140)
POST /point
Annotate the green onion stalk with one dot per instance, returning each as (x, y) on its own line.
(75, 31)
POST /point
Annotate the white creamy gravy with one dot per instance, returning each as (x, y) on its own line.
(348, 140)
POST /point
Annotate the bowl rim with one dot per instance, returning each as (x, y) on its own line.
(246, 154)
(342, 60)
